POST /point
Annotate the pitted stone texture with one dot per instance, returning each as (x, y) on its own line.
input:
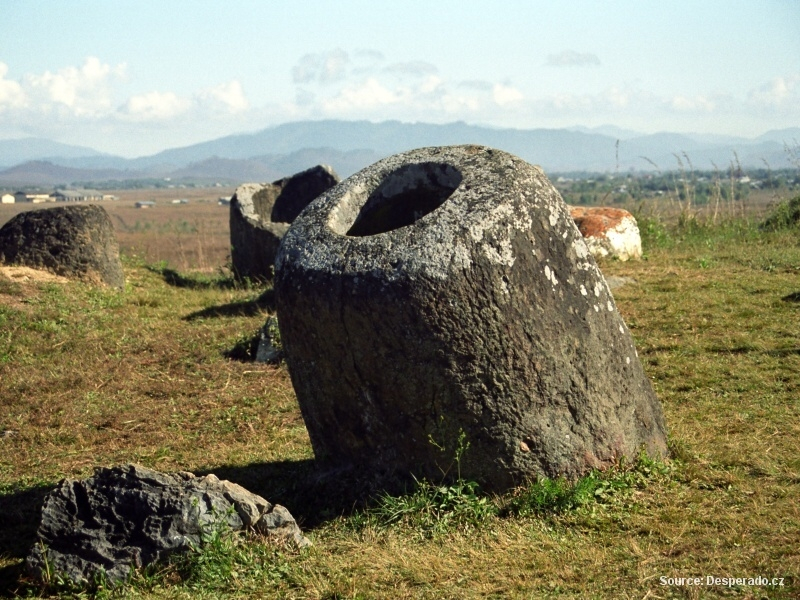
(609, 232)
(260, 214)
(77, 242)
(446, 291)
(129, 517)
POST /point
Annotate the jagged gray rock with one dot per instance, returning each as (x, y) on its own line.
(269, 349)
(76, 242)
(260, 214)
(443, 297)
(128, 517)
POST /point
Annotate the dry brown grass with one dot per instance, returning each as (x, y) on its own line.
(193, 236)
(97, 377)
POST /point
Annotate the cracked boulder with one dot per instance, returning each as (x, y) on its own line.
(441, 314)
(609, 232)
(260, 214)
(77, 242)
(129, 517)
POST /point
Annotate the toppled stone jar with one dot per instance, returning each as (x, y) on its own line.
(442, 314)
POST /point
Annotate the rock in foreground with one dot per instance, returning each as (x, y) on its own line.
(444, 297)
(128, 517)
(76, 242)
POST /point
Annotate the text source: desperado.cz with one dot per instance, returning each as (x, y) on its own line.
(711, 580)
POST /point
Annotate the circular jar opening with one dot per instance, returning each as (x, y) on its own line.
(405, 196)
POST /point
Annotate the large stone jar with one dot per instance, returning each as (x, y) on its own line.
(72, 241)
(260, 214)
(442, 315)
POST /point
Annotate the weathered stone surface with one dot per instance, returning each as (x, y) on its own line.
(129, 517)
(76, 242)
(611, 232)
(260, 214)
(446, 293)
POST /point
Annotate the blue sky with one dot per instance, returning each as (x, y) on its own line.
(136, 77)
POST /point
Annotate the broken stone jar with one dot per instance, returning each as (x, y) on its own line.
(443, 317)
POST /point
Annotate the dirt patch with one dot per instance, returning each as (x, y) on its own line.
(28, 275)
(17, 284)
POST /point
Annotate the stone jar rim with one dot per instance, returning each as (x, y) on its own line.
(476, 203)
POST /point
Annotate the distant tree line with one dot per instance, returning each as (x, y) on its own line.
(697, 187)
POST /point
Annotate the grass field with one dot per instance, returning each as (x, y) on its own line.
(99, 377)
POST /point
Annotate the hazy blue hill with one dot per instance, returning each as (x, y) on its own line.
(790, 136)
(226, 169)
(553, 148)
(14, 152)
(271, 167)
(45, 173)
(609, 130)
(345, 163)
(349, 146)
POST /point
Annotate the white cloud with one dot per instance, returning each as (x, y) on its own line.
(78, 103)
(11, 94)
(781, 92)
(571, 58)
(416, 68)
(369, 55)
(617, 97)
(476, 84)
(327, 67)
(219, 101)
(696, 104)
(83, 91)
(505, 94)
(367, 94)
(365, 85)
(432, 84)
(566, 103)
(227, 98)
(155, 106)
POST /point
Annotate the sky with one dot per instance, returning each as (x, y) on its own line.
(136, 77)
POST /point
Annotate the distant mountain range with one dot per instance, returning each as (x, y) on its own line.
(349, 146)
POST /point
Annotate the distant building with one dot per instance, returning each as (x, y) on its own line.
(76, 195)
(225, 201)
(7, 199)
(35, 198)
(145, 204)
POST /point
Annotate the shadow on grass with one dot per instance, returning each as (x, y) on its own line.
(314, 495)
(746, 349)
(195, 281)
(20, 513)
(265, 302)
(783, 352)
